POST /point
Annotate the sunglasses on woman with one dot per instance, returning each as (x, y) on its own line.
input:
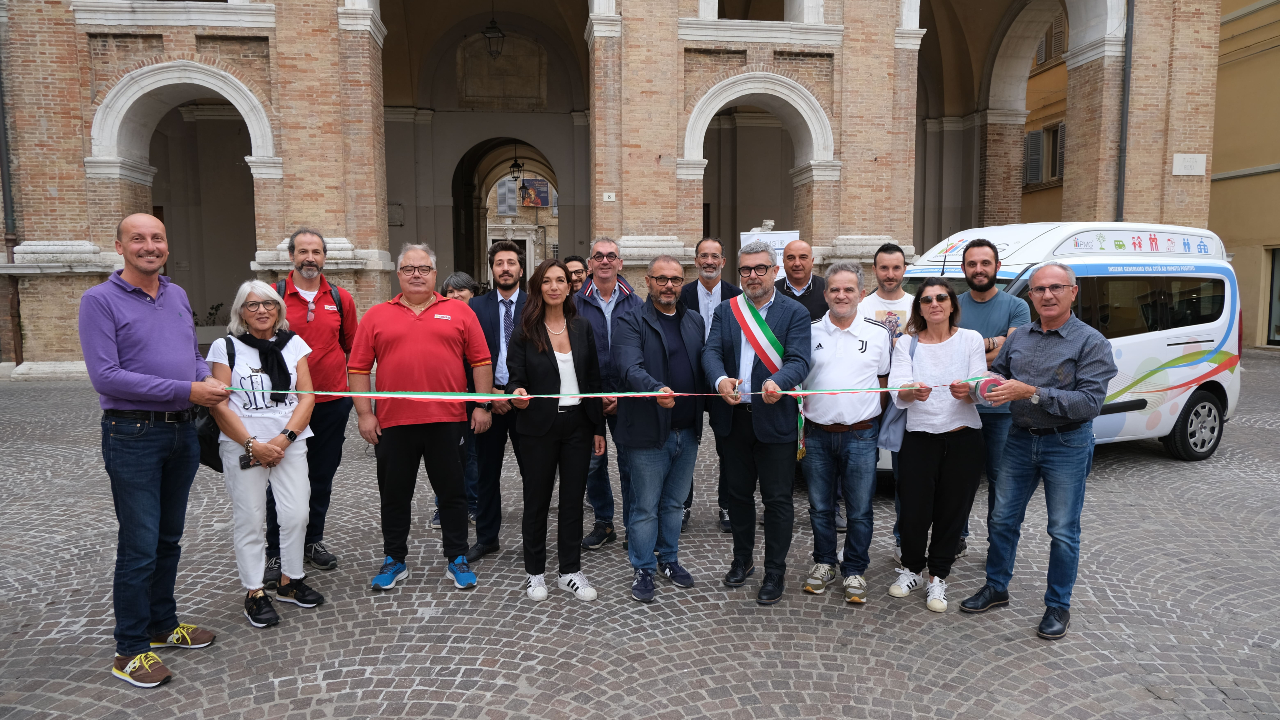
(931, 299)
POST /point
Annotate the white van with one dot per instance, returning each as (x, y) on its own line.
(1165, 296)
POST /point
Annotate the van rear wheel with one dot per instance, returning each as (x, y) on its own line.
(1198, 431)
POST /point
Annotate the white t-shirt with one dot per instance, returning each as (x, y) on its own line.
(307, 295)
(263, 418)
(959, 357)
(568, 379)
(843, 360)
(894, 314)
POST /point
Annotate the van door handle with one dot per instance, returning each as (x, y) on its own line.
(1188, 342)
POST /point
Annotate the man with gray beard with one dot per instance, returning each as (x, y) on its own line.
(325, 316)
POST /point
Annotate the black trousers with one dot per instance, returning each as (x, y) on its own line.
(747, 460)
(491, 449)
(722, 495)
(937, 479)
(400, 452)
(324, 455)
(566, 447)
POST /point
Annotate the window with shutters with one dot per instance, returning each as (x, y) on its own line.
(1050, 139)
(1040, 52)
(1061, 150)
(1058, 35)
(1032, 157)
(508, 197)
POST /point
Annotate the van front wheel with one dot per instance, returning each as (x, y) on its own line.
(1199, 428)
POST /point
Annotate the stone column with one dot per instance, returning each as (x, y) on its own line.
(1000, 135)
(604, 40)
(816, 186)
(906, 61)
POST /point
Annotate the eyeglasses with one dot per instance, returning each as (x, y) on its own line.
(1054, 289)
(759, 270)
(411, 270)
(255, 305)
(664, 280)
(601, 257)
(311, 310)
(931, 299)
(577, 273)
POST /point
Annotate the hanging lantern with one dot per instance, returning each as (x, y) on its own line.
(516, 169)
(493, 35)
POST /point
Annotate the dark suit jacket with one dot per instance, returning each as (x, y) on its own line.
(640, 354)
(689, 293)
(790, 323)
(486, 309)
(539, 374)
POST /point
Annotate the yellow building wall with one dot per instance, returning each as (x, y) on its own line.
(1046, 105)
(1245, 211)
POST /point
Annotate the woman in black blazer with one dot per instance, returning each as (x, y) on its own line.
(553, 352)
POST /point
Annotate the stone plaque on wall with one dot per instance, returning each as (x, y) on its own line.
(515, 81)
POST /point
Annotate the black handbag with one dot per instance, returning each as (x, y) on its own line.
(207, 429)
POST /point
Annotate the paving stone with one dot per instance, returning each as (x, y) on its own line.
(1173, 613)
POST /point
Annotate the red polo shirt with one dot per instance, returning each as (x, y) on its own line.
(330, 334)
(422, 353)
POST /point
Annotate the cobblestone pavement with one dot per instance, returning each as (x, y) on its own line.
(1174, 612)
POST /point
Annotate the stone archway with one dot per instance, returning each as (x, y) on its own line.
(800, 112)
(128, 114)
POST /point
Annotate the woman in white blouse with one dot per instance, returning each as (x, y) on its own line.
(942, 452)
(260, 443)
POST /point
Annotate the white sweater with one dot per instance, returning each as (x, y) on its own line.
(959, 357)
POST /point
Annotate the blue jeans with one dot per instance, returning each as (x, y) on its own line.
(1063, 461)
(660, 481)
(995, 431)
(599, 492)
(151, 466)
(845, 461)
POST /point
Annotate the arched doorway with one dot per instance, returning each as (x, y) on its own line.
(788, 169)
(185, 140)
(492, 201)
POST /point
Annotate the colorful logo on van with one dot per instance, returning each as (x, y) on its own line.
(1221, 360)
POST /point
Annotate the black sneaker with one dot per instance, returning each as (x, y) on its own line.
(684, 520)
(258, 610)
(602, 534)
(961, 550)
(271, 575)
(320, 557)
(471, 515)
(434, 523)
(298, 593)
(725, 526)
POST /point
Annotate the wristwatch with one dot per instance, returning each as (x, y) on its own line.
(1035, 397)
(291, 435)
(486, 406)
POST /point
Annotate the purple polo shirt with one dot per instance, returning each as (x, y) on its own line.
(141, 353)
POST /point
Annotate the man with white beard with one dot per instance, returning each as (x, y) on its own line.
(324, 315)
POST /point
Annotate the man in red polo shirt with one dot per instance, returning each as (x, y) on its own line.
(419, 341)
(325, 316)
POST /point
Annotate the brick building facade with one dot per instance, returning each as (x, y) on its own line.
(656, 121)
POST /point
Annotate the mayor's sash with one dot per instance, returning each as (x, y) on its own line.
(768, 349)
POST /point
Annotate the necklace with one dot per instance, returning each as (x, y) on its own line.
(417, 309)
(561, 331)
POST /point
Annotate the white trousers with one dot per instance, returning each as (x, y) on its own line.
(248, 490)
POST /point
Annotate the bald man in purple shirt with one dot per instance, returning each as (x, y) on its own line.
(139, 342)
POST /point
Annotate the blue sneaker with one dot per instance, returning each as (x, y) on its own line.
(642, 586)
(460, 573)
(675, 574)
(392, 571)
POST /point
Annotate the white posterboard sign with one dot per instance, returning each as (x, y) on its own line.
(777, 239)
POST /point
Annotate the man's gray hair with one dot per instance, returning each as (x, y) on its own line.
(755, 247)
(599, 240)
(845, 266)
(264, 292)
(404, 250)
(664, 258)
(1071, 274)
(307, 231)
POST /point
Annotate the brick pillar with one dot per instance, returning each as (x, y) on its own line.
(604, 39)
(1000, 167)
(813, 208)
(906, 60)
(1093, 139)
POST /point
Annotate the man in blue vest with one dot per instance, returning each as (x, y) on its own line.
(603, 299)
(757, 422)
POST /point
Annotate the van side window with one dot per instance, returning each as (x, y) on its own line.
(1129, 305)
(1195, 301)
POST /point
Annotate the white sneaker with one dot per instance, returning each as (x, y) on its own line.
(906, 582)
(578, 584)
(537, 587)
(937, 595)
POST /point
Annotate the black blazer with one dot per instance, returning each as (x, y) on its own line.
(486, 310)
(539, 374)
(689, 293)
